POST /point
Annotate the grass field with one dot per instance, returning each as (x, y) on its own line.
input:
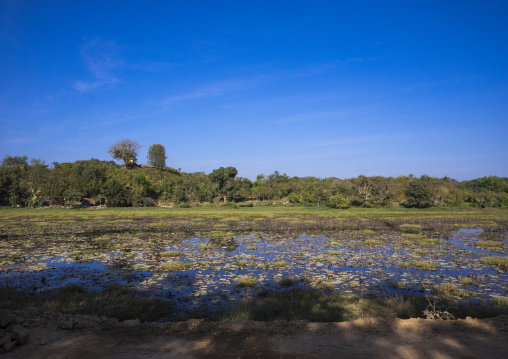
(256, 213)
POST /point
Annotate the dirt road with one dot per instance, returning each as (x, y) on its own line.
(364, 338)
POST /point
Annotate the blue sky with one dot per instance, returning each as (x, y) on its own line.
(322, 88)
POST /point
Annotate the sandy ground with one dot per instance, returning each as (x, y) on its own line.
(364, 338)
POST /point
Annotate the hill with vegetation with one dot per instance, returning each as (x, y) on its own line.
(94, 182)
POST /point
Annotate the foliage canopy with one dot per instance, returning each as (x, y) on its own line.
(125, 150)
(157, 156)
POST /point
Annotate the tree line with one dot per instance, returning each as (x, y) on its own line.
(25, 183)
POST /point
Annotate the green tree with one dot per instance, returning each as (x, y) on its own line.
(125, 150)
(157, 156)
(224, 179)
(419, 193)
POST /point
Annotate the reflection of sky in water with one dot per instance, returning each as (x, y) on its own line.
(341, 263)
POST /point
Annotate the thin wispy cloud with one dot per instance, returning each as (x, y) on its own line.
(319, 69)
(101, 59)
(216, 89)
(107, 123)
(314, 116)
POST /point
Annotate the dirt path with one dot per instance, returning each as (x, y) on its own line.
(364, 338)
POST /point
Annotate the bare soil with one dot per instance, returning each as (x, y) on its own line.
(363, 338)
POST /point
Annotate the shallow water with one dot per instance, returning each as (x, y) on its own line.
(341, 262)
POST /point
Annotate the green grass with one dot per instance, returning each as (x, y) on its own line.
(421, 252)
(489, 244)
(205, 247)
(467, 281)
(446, 290)
(175, 266)
(495, 260)
(412, 228)
(49, 215)
(115, 301)
(279, 263)
(429, 243)
(246, 281)
(366, 231)
(319, 306)
(171, 254)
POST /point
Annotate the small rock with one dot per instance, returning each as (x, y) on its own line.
(8, 346)
(20, 334)
(5, 340)
(130, 323)
(3, 333)
(65, 323)
(6, 318)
